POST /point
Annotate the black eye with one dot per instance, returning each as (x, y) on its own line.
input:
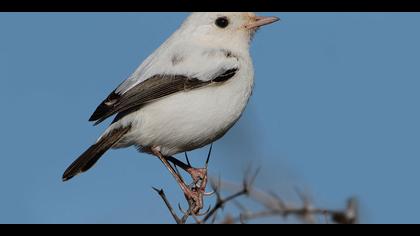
(222, 22)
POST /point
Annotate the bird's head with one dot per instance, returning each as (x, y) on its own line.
(226, 29)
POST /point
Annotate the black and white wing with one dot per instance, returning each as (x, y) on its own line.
(159, 78)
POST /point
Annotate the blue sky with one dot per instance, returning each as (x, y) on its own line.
(334, 111)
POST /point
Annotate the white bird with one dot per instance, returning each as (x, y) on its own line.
(186, 94)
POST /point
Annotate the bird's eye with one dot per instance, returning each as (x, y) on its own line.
(222, 22)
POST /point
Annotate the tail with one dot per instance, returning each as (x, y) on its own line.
(92, 154)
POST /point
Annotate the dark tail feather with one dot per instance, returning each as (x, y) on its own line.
(92, 155)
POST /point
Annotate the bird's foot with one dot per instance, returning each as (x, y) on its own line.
(199, 177)
(194, 192)
(197, 189)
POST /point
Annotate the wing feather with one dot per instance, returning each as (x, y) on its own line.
(161, 85)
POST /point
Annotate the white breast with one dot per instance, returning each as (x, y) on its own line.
(192, 119)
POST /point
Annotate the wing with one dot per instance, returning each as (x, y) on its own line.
(185, 58)
(160, 85)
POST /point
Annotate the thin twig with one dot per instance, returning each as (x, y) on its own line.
(282, 213)
(168, 205)
(177, 162)
(220, 204)
(274, 205)
(187, 159)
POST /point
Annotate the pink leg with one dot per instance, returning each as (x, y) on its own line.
(194, 195)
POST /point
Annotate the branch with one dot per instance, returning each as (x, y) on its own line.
(168, 205)
(274, 205)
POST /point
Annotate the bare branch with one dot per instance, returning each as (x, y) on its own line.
(221, 203)
(168, 205)
(274, 205)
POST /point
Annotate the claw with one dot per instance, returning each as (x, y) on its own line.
(204, 213)
(209, 193)
(182, 210)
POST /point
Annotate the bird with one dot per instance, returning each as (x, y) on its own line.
(185, 95)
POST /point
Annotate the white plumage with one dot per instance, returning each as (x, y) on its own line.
(186, 94)
(190, 119)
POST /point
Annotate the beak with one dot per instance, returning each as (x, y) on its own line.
(260, 21)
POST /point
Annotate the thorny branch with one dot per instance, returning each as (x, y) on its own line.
(273, 205)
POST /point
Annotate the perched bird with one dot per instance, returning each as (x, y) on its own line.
(185, 95)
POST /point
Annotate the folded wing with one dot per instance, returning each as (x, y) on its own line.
(165, 77)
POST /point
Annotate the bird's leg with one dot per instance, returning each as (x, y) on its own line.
(198, 175)
(194, 197)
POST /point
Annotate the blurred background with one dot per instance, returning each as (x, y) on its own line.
(334, 113)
